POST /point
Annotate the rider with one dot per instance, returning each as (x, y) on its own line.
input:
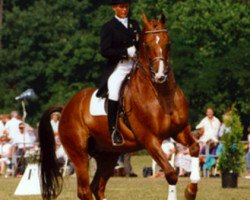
(119, 43)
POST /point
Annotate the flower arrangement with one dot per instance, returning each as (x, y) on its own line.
(32, 155)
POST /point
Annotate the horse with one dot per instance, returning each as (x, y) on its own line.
(155, 107)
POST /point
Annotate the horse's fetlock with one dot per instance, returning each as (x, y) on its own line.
(171, 178)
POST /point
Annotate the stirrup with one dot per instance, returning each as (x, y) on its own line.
(114, 135)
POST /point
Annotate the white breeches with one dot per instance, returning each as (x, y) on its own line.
(116, 78)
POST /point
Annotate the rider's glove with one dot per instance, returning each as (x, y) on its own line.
(131, 52)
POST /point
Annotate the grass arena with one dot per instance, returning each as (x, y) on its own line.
(140, 188)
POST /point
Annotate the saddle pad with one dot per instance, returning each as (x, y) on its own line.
(97, 105)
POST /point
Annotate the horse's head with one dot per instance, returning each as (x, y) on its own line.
(155, 45)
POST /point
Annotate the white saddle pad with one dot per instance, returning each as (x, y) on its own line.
(97, 105)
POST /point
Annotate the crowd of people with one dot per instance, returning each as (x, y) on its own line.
(16, 139)
(19, 142)
(208, 134)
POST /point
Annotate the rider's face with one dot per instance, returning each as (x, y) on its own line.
(121, 10)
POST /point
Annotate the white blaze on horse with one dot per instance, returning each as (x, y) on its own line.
(155, 109)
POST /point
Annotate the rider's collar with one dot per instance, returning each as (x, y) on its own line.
(124, 21)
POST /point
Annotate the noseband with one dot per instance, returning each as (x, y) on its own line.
(156, 59)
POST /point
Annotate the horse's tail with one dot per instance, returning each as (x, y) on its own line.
(51, 178)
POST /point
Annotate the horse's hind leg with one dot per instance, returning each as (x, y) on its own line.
(75, 144)
(80, 160)
(186, 139)
(105, 169)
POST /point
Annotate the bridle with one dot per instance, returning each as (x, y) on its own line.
(158, 58)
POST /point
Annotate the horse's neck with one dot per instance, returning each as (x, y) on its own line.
(166, 92)
(163, 93)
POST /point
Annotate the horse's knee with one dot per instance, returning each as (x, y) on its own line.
(194, 150)
(84, 194)
(171, 178)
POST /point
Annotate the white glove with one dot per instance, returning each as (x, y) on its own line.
(131, 52)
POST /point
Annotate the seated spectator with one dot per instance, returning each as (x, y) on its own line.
(183, 160)
(169, 150)
(124, 162)
(5, 154)
(209, 158)
(64, 160)
(1, 126)
(22, 141)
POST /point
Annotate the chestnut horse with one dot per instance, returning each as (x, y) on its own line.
(155, 107)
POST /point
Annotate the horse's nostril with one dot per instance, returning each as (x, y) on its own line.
(161, 78)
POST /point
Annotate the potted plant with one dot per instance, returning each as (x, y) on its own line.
(231, 159)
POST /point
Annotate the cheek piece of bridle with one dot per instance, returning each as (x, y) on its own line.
(156, 59)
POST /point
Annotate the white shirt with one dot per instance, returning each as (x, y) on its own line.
(211, 129)
(24, 139)
(12, 127)
(167, 146)
(1, 128)
(5, 149)
(5, 152)
(54, 125)
(124, 21)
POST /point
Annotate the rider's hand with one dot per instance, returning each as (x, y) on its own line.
(131, 52)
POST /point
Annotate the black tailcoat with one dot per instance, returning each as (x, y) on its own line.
(115, 39)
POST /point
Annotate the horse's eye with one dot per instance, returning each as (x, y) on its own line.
(168, 46)
(146, 46)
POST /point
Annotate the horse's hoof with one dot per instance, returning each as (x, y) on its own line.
(189, 195)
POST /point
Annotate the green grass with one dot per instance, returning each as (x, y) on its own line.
(140, 188)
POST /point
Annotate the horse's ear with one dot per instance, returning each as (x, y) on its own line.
(162, 18)
(145, 20)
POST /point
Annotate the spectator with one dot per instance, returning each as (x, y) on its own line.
(24, 140)
(125, 161)
(223, 129)
(169, 150)
(54, 121)
(183, 160)
(210, 125)
(60, 153)
(5, 154)
(248, 155)
(1, 126)
(11, 125)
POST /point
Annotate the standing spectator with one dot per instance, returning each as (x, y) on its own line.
(11, 126)
(210, 125)
(248, 155)
(54, 121)
(223, 129)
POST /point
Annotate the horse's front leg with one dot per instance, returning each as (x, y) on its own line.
(153, 145)
(186, 139)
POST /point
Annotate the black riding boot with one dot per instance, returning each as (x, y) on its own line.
(116, 136)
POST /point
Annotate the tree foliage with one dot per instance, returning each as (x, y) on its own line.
(53, 47)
